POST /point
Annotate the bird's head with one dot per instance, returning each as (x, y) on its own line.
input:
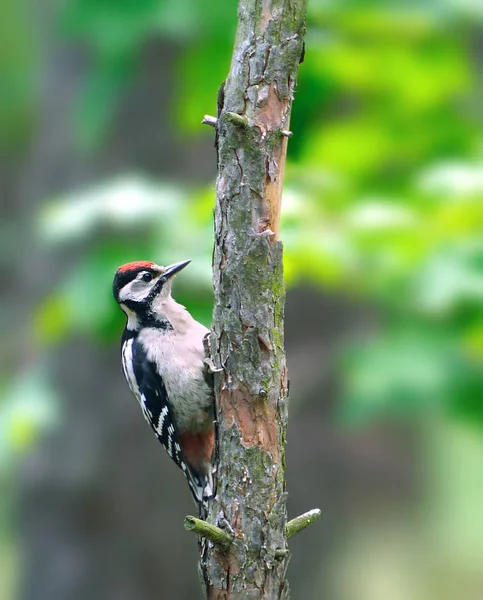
(142, 287)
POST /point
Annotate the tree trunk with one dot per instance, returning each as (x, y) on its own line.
(247, 336)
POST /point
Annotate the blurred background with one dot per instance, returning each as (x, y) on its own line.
(104, 161)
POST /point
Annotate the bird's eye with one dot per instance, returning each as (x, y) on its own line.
(147, 277)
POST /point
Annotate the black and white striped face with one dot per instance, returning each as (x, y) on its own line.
(136, 285)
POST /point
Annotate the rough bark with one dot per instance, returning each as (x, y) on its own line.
(247, 336)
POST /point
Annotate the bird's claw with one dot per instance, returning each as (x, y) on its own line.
(211, 366)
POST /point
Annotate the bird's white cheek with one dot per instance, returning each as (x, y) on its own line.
(134, 293)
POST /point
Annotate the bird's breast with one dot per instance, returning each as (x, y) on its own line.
(179, 361)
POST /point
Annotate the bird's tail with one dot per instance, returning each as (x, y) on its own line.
(197, 453)
(201, 486)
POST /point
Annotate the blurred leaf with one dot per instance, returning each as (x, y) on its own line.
(398, 374)
(19, 64)
(123, 203)
(29, 407)
(53, 320)
(202, 70)
(452, 180)
(451, 279)
(98, 102)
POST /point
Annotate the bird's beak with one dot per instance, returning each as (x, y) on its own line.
(173, 269)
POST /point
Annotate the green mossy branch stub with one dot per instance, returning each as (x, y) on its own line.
(208, 531)
(302, 522)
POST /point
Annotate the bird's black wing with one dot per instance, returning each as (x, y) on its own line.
(149, 389)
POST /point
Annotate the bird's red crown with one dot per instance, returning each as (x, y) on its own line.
(133, 266)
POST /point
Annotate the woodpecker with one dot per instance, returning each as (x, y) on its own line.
(163, 359)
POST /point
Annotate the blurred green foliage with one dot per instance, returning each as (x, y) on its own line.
(18, 76)
(383, 202)
(383, 193)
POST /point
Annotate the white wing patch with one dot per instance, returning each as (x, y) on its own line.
(162, 416)
(171, 435)
(127, 366)
(148, 415)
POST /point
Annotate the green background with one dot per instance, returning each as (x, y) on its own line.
(104, 160)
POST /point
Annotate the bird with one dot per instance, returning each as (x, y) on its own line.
(164, 362)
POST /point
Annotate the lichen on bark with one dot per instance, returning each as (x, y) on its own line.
(247, 333)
